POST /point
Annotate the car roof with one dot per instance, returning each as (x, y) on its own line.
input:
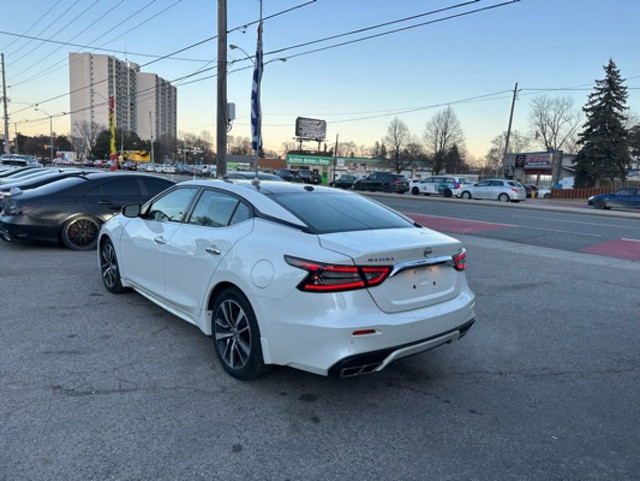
(260, 195)
(68, 182)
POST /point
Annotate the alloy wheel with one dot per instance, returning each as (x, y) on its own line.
(232, 334)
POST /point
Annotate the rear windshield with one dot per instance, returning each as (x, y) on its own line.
(325, 213)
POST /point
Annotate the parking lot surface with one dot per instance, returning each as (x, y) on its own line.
(544, 386)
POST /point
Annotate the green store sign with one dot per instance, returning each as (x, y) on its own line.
(298, 159)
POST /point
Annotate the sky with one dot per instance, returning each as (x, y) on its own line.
(471, 62)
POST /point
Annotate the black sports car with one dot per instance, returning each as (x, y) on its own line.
(71, 210)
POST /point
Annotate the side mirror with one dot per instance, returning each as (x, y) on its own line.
(131, 210)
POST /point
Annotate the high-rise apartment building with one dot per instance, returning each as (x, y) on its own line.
(143, 102)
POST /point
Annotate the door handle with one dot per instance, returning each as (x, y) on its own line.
(105, 202)
(213, 250)
(160, 240)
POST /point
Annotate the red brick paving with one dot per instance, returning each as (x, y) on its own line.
(457, 226)
(622, 248)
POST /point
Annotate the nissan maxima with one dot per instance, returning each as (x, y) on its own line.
(289, 274)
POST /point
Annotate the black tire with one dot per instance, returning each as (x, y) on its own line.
(547, 196)
(109, 268)
(447, 193)
(503, 198)
(599, 204)
(236, 337)
(386, 188)
(415, 191)
(81, 233)
(466, 195)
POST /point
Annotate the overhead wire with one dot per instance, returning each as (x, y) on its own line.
(171, 54)
(61, 28)
(53, 22)
(129, 17)
(42, 17)
(41, 59)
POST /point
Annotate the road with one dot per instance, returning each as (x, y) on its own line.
(549, 224)
(544, 387)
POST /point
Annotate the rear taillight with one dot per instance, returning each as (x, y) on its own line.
(460, 261)
(334, 278)
(514, 189)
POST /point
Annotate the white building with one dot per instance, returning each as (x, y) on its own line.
(138, 96)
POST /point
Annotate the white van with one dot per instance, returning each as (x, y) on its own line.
(447, 185)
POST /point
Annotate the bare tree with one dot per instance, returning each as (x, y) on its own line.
(555, 122)
(398, 136)
(441, 133)
(240, 146)
(495, 156)
(84, 135)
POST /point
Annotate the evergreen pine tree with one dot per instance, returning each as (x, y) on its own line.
(604, 152)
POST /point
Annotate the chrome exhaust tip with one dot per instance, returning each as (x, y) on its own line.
(357, 370)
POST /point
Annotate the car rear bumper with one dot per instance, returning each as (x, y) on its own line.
(11, 230)
(377, 360)
(346, 340)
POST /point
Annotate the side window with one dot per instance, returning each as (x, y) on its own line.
(171, 207)
(484, 183)
(121, 187)
(154, 186)
(217, 209)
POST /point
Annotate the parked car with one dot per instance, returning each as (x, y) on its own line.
(449, 186)
(17, 160)
(383, 181)
(310, 177)
(497, 189)
(319, 279)
(130, 165)
(627, 198)
(345, 181)
(538, 192)
(14, 174)
(34, 180)
(251, 175)
(290, 175)
(71, 210)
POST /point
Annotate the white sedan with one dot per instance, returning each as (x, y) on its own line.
(281, 273)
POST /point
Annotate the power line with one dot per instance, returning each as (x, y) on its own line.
(373, 27)
(61, 28)
(43, 30)
(422, 24)
(164, 56)
(54, 5)
(119, 24)
(40, 60)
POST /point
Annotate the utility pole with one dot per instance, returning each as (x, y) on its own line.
(335, 157)
(506, 143)
(221, 119)
(4, 104)
(151, 129)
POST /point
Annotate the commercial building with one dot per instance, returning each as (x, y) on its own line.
(143, 102)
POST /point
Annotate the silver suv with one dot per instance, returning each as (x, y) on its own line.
(503, 190)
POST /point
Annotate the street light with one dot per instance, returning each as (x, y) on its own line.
(50, 126)
(252, 57)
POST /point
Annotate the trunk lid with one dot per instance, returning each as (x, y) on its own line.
(421, 275)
